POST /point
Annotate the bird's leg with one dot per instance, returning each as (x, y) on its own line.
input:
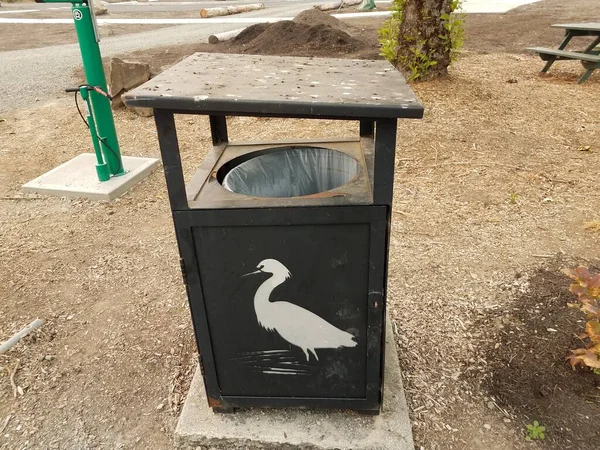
(306, 353)
(313, 351)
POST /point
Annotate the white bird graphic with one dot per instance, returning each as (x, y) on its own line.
(295, 324)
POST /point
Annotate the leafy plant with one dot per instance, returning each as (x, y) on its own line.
(454, 24)
(535, 430)
(513, 198)
(587, 289)
(420, 57)
(388, 34)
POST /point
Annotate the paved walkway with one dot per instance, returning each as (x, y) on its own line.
(43, 73)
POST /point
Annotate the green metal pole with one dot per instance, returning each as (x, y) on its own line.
(101, 166)
(94, 75)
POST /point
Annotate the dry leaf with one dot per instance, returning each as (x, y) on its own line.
(593, 226)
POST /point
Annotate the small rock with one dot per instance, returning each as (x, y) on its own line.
(161, 406)
(512, 80)
(507, 420)
(490, 405)
(48, 357)
(143, 112)
(487, 426)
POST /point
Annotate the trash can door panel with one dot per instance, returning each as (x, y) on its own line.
(299, 323)
(288, 304)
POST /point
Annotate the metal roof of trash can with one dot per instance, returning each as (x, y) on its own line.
(213, 83)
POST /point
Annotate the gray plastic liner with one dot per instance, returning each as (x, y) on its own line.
(291, 172)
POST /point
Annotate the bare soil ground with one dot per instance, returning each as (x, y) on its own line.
(527, 26)
(493, 192)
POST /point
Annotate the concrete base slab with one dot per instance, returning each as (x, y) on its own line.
(77, 178)
(287, 429)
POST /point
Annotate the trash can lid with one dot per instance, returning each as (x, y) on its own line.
(226, 84)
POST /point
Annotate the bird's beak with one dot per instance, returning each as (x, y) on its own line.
(251, 273)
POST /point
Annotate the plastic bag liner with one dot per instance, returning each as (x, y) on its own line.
(290, 171)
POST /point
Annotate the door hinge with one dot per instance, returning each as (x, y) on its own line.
(201, 364)
(183, 271)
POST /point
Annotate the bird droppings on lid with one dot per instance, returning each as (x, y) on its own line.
(227, 78)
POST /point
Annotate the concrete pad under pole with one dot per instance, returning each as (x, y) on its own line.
(289, 429)
(78, 178)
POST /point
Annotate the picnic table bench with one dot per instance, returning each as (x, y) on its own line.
(589, 57)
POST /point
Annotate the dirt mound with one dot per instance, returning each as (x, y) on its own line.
(291, 38)
(313, 17)
(250, 33)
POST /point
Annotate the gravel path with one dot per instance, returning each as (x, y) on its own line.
(41, 74)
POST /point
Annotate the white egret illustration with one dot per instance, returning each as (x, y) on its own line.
(295, 324)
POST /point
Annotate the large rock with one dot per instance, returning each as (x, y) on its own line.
(99, 8)
(125, 75)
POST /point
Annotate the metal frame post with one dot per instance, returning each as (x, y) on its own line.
(100, 108)
(94, 75)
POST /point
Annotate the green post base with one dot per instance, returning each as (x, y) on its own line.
(103, 172)
(367, 5)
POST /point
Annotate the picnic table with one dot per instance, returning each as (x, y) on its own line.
(589, 57)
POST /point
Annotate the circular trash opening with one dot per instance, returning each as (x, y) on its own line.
(290, 171)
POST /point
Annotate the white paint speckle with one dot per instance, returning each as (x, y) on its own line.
(199, 98)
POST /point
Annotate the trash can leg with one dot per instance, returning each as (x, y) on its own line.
(169, 149)
(218, 129)
(385, 150)
(367, 128)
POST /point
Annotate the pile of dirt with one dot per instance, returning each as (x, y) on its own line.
(246, 36)
(313, 17)
(311, 33)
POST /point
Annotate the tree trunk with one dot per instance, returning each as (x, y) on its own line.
(423, 41)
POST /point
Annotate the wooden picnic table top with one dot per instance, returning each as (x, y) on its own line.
(590, 26)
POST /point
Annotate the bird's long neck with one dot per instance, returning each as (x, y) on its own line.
(261, 298)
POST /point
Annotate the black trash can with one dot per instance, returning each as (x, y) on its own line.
(284, 244)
